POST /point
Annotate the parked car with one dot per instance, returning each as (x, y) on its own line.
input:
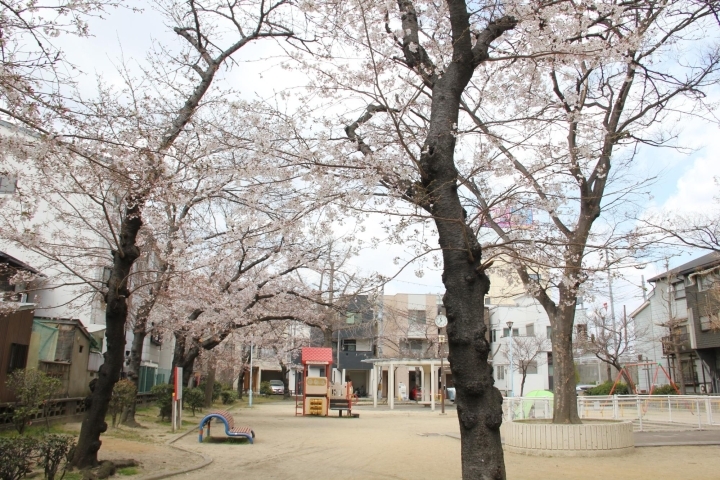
(277, 387)
(581, 389)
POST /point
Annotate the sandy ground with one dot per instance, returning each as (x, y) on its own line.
(412, 443)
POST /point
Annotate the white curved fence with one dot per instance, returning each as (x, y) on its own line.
(700, 411)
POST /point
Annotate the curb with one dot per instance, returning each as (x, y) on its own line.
(699, 443)
(206, 459)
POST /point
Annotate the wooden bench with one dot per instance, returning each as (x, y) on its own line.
(342, 404)
(230, 429)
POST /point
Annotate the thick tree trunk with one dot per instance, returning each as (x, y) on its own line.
(178, 353)
(286, 383)
(565, 398)
(522, 383)
(327, 337)
(479, 403)
(133, 370)
(241, 382)
(94, 424)
(210, 382)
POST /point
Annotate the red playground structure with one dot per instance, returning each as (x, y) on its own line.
(319, 394)
(633, 388)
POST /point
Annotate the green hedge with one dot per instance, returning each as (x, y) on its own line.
(604, 389)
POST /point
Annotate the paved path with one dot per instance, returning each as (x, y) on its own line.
(673, 438)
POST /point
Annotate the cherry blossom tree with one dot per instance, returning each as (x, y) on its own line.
(103, 165)
(579, 121)
(456, 109)
(611, 340)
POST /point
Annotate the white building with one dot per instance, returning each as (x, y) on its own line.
(526, 320)
(60, 294)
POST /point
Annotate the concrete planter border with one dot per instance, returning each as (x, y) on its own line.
(594, 438)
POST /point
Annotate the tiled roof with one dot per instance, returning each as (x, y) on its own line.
(316, 354)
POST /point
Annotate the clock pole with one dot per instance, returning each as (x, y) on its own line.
(441, 322)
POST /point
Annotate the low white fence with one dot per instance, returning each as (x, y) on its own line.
(699, 411)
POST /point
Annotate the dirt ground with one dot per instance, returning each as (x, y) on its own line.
(412, 443)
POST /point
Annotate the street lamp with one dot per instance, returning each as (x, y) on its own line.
(512, 384)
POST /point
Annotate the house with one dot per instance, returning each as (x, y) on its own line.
(355, 341)
(521, 324)
(60, 294)
(61, 348)
(527, 324)
(16, 321)
(679, 315)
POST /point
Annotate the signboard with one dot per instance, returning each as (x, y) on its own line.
(177, 399)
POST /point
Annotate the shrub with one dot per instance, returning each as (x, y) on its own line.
(54, 450)
(217, 389)
(228, 396)
(16, 457)
(265, 388)
(163, 399)
(665, 390)
(33, 391)
(194, 398)
(123, 395)
(604, 389)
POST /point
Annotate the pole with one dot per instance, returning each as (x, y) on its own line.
(612, 302)
(442, 378)
(512, 382)
(251, 373)
(442, 386)
(642, 286)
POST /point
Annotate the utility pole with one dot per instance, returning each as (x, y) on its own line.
(642, 286)
(251, 376)
(610, 291)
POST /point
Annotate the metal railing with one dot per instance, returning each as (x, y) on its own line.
(696, 411)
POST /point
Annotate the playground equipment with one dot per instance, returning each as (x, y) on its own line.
(230, 429)
(319, 394)
(633, 387)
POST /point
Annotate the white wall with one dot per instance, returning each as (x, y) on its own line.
(522, 312)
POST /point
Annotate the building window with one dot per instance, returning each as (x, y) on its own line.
(415, 345)
(488, 301)
(706, 282)
(532, 369)
(18, 356)
(350, 318)
(548, 332)
(530, 330)
(515, 332)
(493, 336)
(705, 323)
(417, 316)
(500, 372)
(65, 341)
(581, 331)
(679, 290)
(349, 345)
